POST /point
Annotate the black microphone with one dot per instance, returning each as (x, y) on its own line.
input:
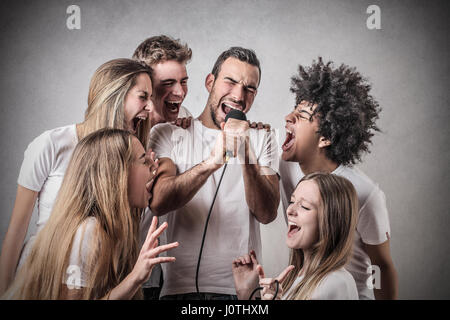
(238, 115)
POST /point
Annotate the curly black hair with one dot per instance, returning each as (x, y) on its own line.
(345, 110)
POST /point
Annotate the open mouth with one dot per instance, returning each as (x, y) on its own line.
(290, 139)
(136, 122)
(293, 229)
(226, 107)
(172, 106)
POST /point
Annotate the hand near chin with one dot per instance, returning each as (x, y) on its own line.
(150, 157)
(245, 275)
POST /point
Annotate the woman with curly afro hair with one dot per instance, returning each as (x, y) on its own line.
(329, 130)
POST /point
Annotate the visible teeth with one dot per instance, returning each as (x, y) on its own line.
(292, 224)
(227, 105)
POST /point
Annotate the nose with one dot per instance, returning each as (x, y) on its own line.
(238, 93)
(290, 211)
(149, 106)
(290, 118)
(178, 90)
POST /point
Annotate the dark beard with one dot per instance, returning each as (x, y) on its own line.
(213, 117)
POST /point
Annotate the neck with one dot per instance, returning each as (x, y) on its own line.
(318, 163)
(206, 119)
(306, 261)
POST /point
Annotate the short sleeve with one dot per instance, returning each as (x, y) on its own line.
(336, 286)
(78, 268)
(269, 156)
(373, 222)
(37, 163)
(161, 140)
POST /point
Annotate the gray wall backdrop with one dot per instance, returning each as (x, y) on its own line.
(46, 70)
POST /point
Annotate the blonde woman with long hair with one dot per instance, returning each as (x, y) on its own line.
(89, 248)
(322, 219)
(119, 97)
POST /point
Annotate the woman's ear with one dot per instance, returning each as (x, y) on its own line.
(209, 82)
(323, 142)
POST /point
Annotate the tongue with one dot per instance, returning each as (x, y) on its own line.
(293, 230)
(288, 143)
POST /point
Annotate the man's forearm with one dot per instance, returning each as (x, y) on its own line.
(389, 284)
(173, 192)
(261, 192)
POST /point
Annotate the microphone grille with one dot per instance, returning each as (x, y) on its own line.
(236, 114)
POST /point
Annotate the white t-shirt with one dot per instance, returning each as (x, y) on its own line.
(232, 229)
(77, 270)
(44, 165)
(337, 285)
(146, 221)
(373, 226)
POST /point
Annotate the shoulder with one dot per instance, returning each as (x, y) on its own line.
(55, 137)
(85, 232)
(365, 187)
(337, 285)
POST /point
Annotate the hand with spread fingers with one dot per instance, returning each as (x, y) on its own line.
(245, 275)
(269, 285)
(148, 257)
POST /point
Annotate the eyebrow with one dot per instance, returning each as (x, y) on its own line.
(309, 202)
(234, 81)
(174, 80)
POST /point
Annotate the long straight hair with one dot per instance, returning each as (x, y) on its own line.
(95, 185)
(107, 91)
(337, 224)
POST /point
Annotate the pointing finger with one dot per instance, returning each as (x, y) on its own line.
(284, 273)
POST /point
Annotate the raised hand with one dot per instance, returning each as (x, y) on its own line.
(268, 284)
(236, 135)
(245, 275)
(148, 256)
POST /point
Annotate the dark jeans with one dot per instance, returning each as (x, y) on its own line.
(151, 293)
(200, 296)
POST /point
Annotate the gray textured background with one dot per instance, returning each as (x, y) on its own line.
(45, 72)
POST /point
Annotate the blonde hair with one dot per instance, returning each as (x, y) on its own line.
(95, 185)
(107, 91)
(162, 48)
(337, 224)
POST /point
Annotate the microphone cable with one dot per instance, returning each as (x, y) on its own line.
(206, 228)
(235, 114)
(260, 288)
